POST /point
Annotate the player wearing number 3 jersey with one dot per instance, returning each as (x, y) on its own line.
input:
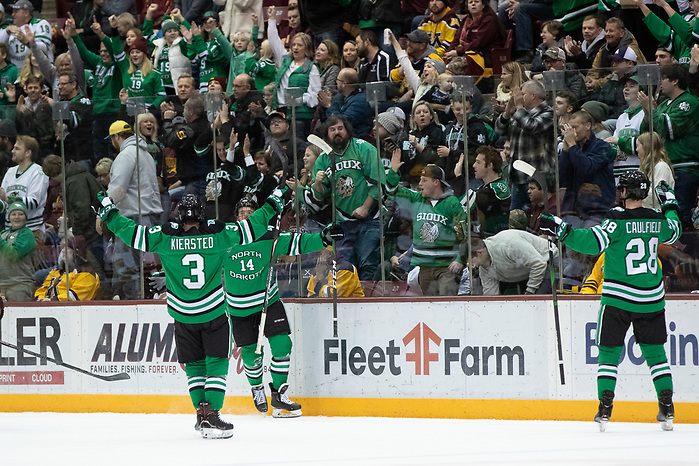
(192, 252)
(633, 291)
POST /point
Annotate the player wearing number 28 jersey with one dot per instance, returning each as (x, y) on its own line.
(192, 252)
(633, 291)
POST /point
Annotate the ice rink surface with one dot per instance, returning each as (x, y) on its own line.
(170, 439)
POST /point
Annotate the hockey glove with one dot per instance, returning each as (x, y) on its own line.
(554, 226)
(332, 232)
(106, 211)
(666, 196)
(277, 199)
(104, 199)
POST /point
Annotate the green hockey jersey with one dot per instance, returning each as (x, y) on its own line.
(667, 38)
(356, 177)
(246, 268)
(677, 122)
(630, 239)
(436, 242)
(193, 259)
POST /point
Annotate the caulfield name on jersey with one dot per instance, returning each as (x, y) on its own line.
(643, 227)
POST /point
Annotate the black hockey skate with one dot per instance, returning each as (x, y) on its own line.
(282, 406)
(212, 426)
(259, 398)
(666, 412)
(605, 409)
(201, 410)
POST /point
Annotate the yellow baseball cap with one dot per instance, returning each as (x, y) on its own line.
(117, 127)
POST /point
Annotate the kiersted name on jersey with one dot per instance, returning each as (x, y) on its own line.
(191, 243)
(643, 227)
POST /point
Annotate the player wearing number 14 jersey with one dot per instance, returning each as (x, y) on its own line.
(246, 273)
(192, 252)
(633, 291)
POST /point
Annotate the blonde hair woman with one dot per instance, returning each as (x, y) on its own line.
(655, 164)
(137, 72)
(296, 69)
(513, 76)
(327, 59)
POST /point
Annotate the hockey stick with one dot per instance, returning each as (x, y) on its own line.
(315, 140)
(270, 270)
(106, 378)
(540, 178)
(265, 306)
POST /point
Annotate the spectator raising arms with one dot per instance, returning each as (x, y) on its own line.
(438, 228)
(529, 121)
(105, 87)
(207, 45)
(137, 72)
(170, 54)
(295, 70)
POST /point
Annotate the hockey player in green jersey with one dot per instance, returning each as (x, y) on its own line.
(633, 290)
(192, 254)
(245, 272)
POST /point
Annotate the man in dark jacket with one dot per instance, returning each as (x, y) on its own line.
(77, 128)
(349, 102)
(582, 54)
(192, 145)
(246, 111)
(586, 171)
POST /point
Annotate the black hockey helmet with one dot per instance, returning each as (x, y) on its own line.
(636, 184)
(190, 208)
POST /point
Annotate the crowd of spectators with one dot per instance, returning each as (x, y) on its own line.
(153, 100)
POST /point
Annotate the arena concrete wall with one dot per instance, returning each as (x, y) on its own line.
(418, 357)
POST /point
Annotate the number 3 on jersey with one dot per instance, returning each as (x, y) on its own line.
(637, 261)
(196, 279)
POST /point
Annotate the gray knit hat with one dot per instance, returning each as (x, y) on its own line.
(438, 65)
(390, 122)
